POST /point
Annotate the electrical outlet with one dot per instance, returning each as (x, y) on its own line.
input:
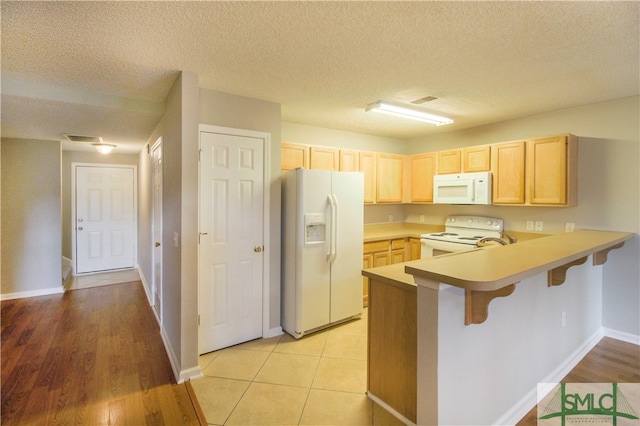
(563, 319)
(569, 227)
(539, 225)
(529, 225)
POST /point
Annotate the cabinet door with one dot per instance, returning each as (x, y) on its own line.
(381, 259)
(294, 156)
(389, 178)
(547, 166)
(423, 168)
(367, 262)
(449, 162)
(323, 158)
(476, 159)
(507, 165)
(367, 164)
(348, 161)
(414, 248)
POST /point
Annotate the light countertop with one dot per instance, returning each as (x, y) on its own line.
(494, 267)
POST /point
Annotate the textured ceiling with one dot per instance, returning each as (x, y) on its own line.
(104, 68)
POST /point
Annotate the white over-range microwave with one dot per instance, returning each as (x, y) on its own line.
(462, 188)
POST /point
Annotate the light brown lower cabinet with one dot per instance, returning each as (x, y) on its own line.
(392, 346)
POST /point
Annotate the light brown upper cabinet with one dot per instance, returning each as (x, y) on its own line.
(324, 158)
(367, 165)
(508, 167)
(449, 162)
(348, 161)
(552, 170)
(476, 159)
(294, 156)
(423, 168)
(389, 170)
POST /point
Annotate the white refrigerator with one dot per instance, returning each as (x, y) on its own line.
(322, 230)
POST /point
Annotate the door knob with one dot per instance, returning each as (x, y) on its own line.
(80, 228)
(157, 244)
(257, 249)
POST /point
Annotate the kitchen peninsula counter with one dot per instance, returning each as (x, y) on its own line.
(422, 348)
(498, 266)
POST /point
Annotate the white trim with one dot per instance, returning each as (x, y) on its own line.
(622, 335)
(173, 360)
(73, 209)
(190, 373)
(180, 375)
(386, 406)
(273, 332)
(32, 293)
(144, 283)
(529, 401)
(266, 185)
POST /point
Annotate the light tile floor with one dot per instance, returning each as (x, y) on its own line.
(317, 380)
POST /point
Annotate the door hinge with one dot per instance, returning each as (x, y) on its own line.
(198, 319)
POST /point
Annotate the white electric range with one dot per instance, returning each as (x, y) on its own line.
(461, 233)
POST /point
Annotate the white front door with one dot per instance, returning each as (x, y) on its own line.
(230, 257)
(105, 220)
(156, 279)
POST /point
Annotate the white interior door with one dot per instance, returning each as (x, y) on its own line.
(230, 257)
(105, 220)
(156, 279)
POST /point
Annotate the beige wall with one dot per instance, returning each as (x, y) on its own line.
(68, 158)
(31, 216)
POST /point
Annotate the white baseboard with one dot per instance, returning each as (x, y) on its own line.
(530, 399)
(144, 285)
(191, 373)
(173, 360)
(621, 335)
(273, 332)
(32, 293)
(180, 375)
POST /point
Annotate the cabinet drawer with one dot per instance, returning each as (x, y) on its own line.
(397, 244)
(376, 246)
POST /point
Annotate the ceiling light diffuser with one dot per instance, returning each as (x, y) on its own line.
(103, 148)
(408, 112)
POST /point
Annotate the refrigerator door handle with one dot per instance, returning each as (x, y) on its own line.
(333, 233)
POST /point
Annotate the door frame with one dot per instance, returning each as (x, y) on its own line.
(74, 166)
(155, 285)
(266, 204)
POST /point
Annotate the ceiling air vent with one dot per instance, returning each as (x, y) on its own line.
(80, 138)
(423, 100)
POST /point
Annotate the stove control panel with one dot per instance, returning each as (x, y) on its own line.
(475, 222)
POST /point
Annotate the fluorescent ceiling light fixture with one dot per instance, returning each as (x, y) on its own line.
(408, 112)
(103, 148)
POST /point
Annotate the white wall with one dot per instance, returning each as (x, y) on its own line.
(31, 217)
(488, 373)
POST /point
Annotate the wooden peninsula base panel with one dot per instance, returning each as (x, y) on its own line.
(392, 345)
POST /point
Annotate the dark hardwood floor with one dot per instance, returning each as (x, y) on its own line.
(90, 357)
(608, 362)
